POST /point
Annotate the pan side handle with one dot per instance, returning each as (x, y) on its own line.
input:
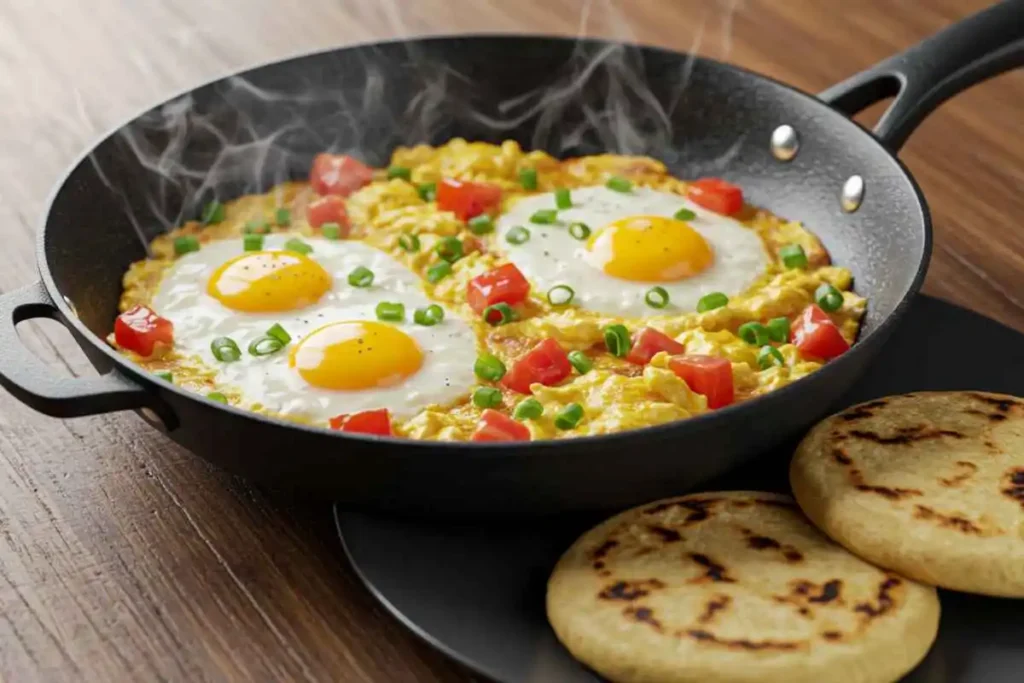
(927, 74)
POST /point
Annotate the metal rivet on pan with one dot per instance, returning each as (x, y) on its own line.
(150, 416)
(785, 143)
(853, 194)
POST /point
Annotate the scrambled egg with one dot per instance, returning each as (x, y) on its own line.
(616, 395)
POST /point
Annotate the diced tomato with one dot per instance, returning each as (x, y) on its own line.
(716, 195)
(546, 363)
(708, 375)
(139, 329)
(817, 336)
(367, 422)
(466, 199)
(329, 209)
(650, 341)
(338, 174)
(495, 426)
(504, 284)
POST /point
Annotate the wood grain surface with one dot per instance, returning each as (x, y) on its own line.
(122, 557)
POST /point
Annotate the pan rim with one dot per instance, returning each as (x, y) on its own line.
(688, 427)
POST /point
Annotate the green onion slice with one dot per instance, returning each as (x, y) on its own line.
(656, 297)
(769, 356)
(279, 333)
(399, 172)
(390, 310)
(481, 225)
(225, 349)
(528, 409)
(504, 312)
(361, 276)
(684, 215)
(265, 346)
(283, 216)
(213, 213)
(487, 397)
(563, 198)
(449, 249)
(619, 184)
(528, 178)
(517, 235)
(580, 231)
(429, 316)
(409, 242)
(257, 226)
(427, 191)
(778, 330)
(793, 256)
(828, 297)
(252, 242)
(569, 416)
(217, 396)
(754, 333)
(331, 231)
(488, 367)
(544, 216)
(561, 295)
(616, 338)
(581, 362)
(438, 272)
(185, 244)
(298, 246)
(710, 302)
(165, 376)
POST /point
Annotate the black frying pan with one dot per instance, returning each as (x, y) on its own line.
(568, 96)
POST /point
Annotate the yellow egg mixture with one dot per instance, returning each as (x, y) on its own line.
(616, 395)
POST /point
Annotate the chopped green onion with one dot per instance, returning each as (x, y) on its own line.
(361, 276)
(427, 191)
(257, 226)
(438, 272)
(684, 215)
(754, 333)
(165, 376)
(793, 256)
(399, 172)
(710, 302)
(487, 397)
(544, 216)
(569, 416)
(331, 231)
(581, 362)
(283, 216)
(449, 249)
(298, 246)
(388, 310)
(778, 329)
(528, 178)
(563, 198)
(828, 297)
(656, 297)
(504, 311)
(616, 338)
(528, 409)
(252, 242)
(769, 356)
(517, 235)
(489, 368)
(580, 231)
(619, 184)
(217, 396)
(225, 349)
(213, 213)
(429, 316)
(279, 333)
(560, 295)
(481, 225)
(265, 345)
(185, 244)
(409, 242)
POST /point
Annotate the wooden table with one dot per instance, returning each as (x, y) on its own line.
(122, 557)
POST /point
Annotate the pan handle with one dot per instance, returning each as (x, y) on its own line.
(22, 374)
(927, 74)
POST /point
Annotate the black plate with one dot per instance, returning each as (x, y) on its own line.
(477, 593)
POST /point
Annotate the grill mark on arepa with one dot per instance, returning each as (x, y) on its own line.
(786, 504)
(697, 508)
(954, 522)
(713, 572)
(829, 592)
(994, 417)
(713, 607)
(664, 533)
(959, 478)
(885, 599)
(859, 483)
(832, 635)
(1002, 404)
(644, 615)
(602, 550)
(1015, 484)
(862, 412)
(767, 543)
(841, 456)
(742, 643)
(906, 435)
(630, 590)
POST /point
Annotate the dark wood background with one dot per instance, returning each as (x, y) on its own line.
(122, 557)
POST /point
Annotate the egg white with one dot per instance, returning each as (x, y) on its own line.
(552, 256)
(448, 347)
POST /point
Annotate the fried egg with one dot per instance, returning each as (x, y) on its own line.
(633, 242)
(341, 358)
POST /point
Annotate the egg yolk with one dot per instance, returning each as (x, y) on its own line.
(269, 281)
(356, 354)
(650, 249)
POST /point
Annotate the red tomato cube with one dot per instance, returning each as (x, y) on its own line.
(504, 284)
(338, 174)
(547, 363)
(817, 336)
(328, 209)
(367, 422)
(139, 329)
(495, 426)
(466, 199)
(716, 195)
(650, 341)
(707, 375)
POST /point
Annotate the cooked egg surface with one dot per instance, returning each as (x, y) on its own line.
(634, 244)
(341, 359)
